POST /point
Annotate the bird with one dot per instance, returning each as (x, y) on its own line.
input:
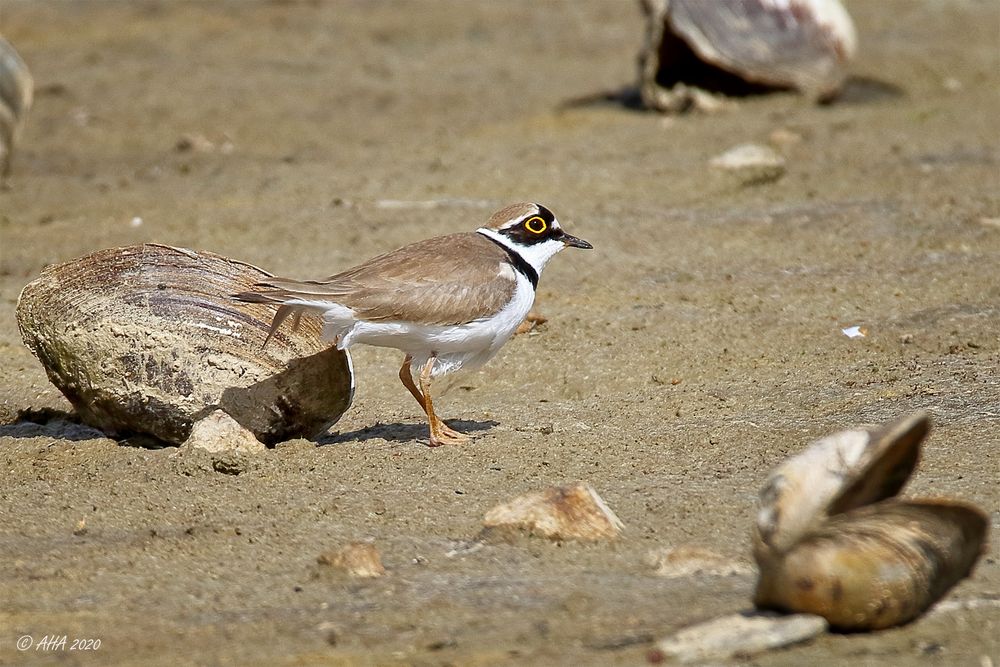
(449, 303)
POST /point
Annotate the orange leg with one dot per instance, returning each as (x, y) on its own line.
(441, 434)
(406, 377)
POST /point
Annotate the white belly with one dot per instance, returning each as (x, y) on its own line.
(459, 346)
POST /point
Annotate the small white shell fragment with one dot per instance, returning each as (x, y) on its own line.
(749, 156)
(691, 561)
(739, 634)
(358, 559)
(856, 331)
(218, 432)
(572, 512)
(135, 222)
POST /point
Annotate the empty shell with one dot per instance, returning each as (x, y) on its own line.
(831, 538)
(146, 339)
(836, 473)
(740, 46)
(877, 566)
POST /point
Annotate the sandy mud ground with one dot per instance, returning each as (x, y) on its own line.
(692, 350)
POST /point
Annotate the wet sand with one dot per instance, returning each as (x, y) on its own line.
(698, 345)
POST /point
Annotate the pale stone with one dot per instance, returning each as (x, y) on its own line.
(740, 634)
(572, 512)
(218, 432)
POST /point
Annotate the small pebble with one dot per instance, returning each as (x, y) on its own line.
(784, 137)
(358, 559)
(753, 163)
(218, 432)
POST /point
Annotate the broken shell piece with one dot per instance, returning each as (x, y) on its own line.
(16, 91)
(830, 538)
(147, 339)
(218, 432)
(739, 634)
(742, 46)
(573, 512)
(358, 559)
(877, 566)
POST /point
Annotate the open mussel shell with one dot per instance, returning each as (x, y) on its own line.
(16, 89)
(147, 339)
(876, 566)
(834, 474)
(738, 46)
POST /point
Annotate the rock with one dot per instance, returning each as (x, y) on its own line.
(739, 634)
(691, 561)
(752, 163)
(572, 512)
(218, 432)
(358, 559)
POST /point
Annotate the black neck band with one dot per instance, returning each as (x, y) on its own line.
(520, 263)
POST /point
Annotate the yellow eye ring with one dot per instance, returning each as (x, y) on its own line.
(536, 225)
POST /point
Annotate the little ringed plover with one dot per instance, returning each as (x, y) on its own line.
(447, 303)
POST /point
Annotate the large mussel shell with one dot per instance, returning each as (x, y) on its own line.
(835, 474)
(147, 339)
(876, 566)
(741, 45)
(16, 89)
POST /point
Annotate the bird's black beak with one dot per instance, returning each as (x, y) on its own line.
(574, 242)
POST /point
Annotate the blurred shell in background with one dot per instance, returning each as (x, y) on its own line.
(831, 539)
(16, 89)
(695, 48)
(146, 340)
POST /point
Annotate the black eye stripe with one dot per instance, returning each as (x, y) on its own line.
(533, 228)
(536, 224)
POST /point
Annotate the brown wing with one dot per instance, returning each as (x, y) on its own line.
(445, 280)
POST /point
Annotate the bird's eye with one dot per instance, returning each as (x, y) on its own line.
(536, 225)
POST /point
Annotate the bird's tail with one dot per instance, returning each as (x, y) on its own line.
(284, 310)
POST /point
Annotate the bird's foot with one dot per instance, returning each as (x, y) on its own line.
(445, 435)
(533, 319)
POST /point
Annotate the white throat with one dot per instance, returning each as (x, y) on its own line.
(536, 254)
